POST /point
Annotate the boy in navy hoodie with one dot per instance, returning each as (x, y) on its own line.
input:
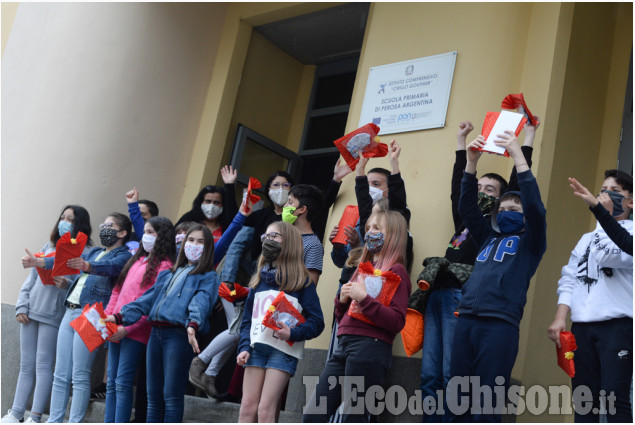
(494, 297)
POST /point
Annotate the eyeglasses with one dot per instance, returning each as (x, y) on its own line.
(286, 186)
(107, 226)
(271, 236)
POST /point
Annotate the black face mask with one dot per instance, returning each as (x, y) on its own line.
(617, 199)
(108, 236)
(271, 250)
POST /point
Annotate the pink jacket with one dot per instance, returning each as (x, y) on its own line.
(129, 291)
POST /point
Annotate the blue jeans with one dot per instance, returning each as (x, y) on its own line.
(438, 337)
(73, 364)
(123, 360)
(168, 362)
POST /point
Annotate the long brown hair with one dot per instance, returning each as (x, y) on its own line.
(206, 262)
(291, 273)
(395, 241)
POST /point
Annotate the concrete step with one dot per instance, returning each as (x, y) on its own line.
(197, 410)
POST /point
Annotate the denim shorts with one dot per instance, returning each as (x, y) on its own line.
(266, 357)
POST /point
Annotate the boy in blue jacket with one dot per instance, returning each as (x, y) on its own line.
(494, 297)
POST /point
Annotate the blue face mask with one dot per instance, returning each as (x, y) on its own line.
(617, 199)
(510, 221)
(64, 227)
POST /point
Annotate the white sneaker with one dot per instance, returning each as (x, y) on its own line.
(30, 420)
(10, 419)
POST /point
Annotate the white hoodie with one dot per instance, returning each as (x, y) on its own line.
(597, 284)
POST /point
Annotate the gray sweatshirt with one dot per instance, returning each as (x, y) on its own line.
(43, 303)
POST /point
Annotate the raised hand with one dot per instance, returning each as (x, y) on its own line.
(394, 150)
(530, 131)
(229, 174)
(465, 127)
(132, 196)
(584, 193)
(29, 260)
(341, 170)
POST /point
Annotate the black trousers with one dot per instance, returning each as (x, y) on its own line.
(358, 363)
(604, 365)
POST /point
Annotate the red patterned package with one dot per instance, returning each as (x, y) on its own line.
(238, 293)
(45, 275)
(488, 125)
(281, 310)
(349, 218)
(65, 249)
(91, 327)
(253, 184)
(516, 101)
(379, 285)
(363, 139)
(565, 353)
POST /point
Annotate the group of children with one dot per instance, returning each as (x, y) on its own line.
(160, 292)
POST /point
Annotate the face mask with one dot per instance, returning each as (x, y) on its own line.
(211, 211)
(148, 242)
(64, 227)
(279, 196)
(108, 236)
(617, 199)
(271, 250)
(374, 241)
(179, 238)
(375, 193)
(287, 215)
(510, 221)
(486, 202)
(193, 252)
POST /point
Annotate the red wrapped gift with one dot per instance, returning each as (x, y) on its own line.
(488, 125)
(65, 249)
(238, 293)
(91, 327)
(349, 218)
(565, 353)
(516, 101)
(364, 140)
(281, 310)
(45, 275)
(253, 184)
(379, 285)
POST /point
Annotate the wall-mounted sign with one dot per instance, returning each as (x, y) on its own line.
(410, 95)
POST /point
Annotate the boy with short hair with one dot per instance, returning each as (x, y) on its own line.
(304, 203)
(494, 297)
(596, 287)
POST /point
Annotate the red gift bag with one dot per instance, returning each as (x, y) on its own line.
(364, 140)
(91, 327)
(349, 218)
(565, 353)
(281, 310)
(65, 249)
(379, 285)
(45, 275)
(488, 124)
(253, 184)
(515, 101)
(238, 293)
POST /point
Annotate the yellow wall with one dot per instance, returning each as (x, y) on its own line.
(8, 15)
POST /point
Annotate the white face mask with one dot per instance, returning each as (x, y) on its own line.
(279, 196)
(375, 193)
(211, 211)
(148, 242)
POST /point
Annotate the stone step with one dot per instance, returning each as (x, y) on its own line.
(197, 410)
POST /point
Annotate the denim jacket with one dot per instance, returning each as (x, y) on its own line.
(239, 256)
(187, 304)
(102, 277)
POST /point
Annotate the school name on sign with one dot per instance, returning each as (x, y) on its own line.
(410, 95)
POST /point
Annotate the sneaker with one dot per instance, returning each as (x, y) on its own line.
(98, 392)
(30, 420)
(197, 370)
(208, 383)
(10, 419)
